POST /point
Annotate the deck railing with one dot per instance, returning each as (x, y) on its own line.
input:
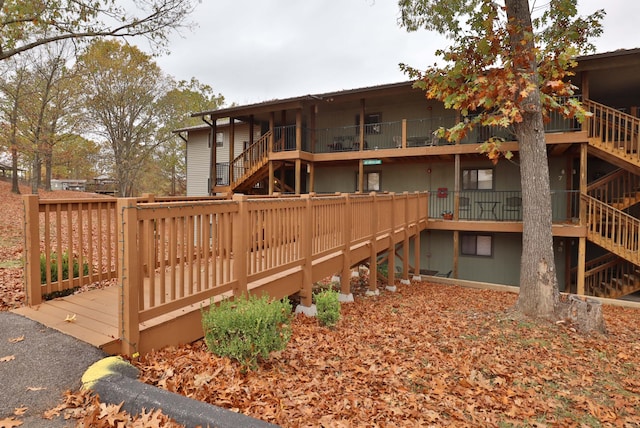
(213, 249)
(505, 205)
(416, 132)
(68, 244)
(61, 233)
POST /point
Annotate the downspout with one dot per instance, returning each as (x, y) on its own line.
(213, 159)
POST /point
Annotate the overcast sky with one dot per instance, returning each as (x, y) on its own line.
(257, 50)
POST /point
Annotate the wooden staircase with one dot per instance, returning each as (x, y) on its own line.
(614, 137)
(611, 276)
(250, 166)
(249, 171)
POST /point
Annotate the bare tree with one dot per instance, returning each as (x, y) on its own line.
(26, 24)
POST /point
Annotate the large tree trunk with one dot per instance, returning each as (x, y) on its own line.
(539, 295)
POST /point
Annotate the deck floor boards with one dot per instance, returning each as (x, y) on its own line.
(97, 327)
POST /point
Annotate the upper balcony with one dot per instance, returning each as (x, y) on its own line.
(401, 137)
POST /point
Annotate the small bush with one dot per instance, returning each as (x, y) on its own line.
(383, 269)
(328, 307)
(247, 328)
(53, 268)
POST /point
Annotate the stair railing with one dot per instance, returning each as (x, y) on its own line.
(612, 229)
(616, 129)
(250, 160)
(613, 279)
(619, 187)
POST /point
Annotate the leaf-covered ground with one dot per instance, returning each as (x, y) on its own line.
(426, 355)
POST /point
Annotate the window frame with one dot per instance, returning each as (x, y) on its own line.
(476, 253)
(366, 181)
(477, 181)
(219, 142)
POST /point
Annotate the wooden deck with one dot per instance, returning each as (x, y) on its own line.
(95, 313)
(217, 249)
(96, 316)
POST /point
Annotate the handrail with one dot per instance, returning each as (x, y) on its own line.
(605, 179)
(614, 128)
(612, 229)
(251, 159)
(612, 279)
(214, 249)
(619, 188)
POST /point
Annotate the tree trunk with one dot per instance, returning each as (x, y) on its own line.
(35, 174)
(538, 282)
(48, 165)
(539, 295)
(15, 185)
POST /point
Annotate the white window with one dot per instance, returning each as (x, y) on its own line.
(476, 245)
(219, 139)
(372, 182)
(477, 179)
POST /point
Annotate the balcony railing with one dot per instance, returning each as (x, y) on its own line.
(481, 205)
(389, 135)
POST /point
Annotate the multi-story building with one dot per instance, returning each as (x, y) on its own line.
(381, 139)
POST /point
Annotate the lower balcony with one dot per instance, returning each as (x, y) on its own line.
(500, 206)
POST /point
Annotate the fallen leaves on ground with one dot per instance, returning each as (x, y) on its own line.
(10, 423)
(426, 355)
(87, 410)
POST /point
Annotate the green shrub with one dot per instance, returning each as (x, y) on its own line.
(328, 307)
(383, 269)
(53, 268)
(247, 328)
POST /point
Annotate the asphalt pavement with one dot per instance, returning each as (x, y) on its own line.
(37, 365)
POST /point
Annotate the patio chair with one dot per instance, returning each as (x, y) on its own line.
(444, 275)
(512, 208)
(464, 207)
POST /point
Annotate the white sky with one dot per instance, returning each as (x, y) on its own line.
(257, 50)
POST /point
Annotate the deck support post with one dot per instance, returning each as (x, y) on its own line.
(271, 177)
(373, 252)
(582, 243)
(403, 138)
(239, 244)
(345, 276)
(32, 250)
(416, 242)
(391, 261)
(312, 176)
(306, 291)
(405, 241)
(298, 173)
(130, 278)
